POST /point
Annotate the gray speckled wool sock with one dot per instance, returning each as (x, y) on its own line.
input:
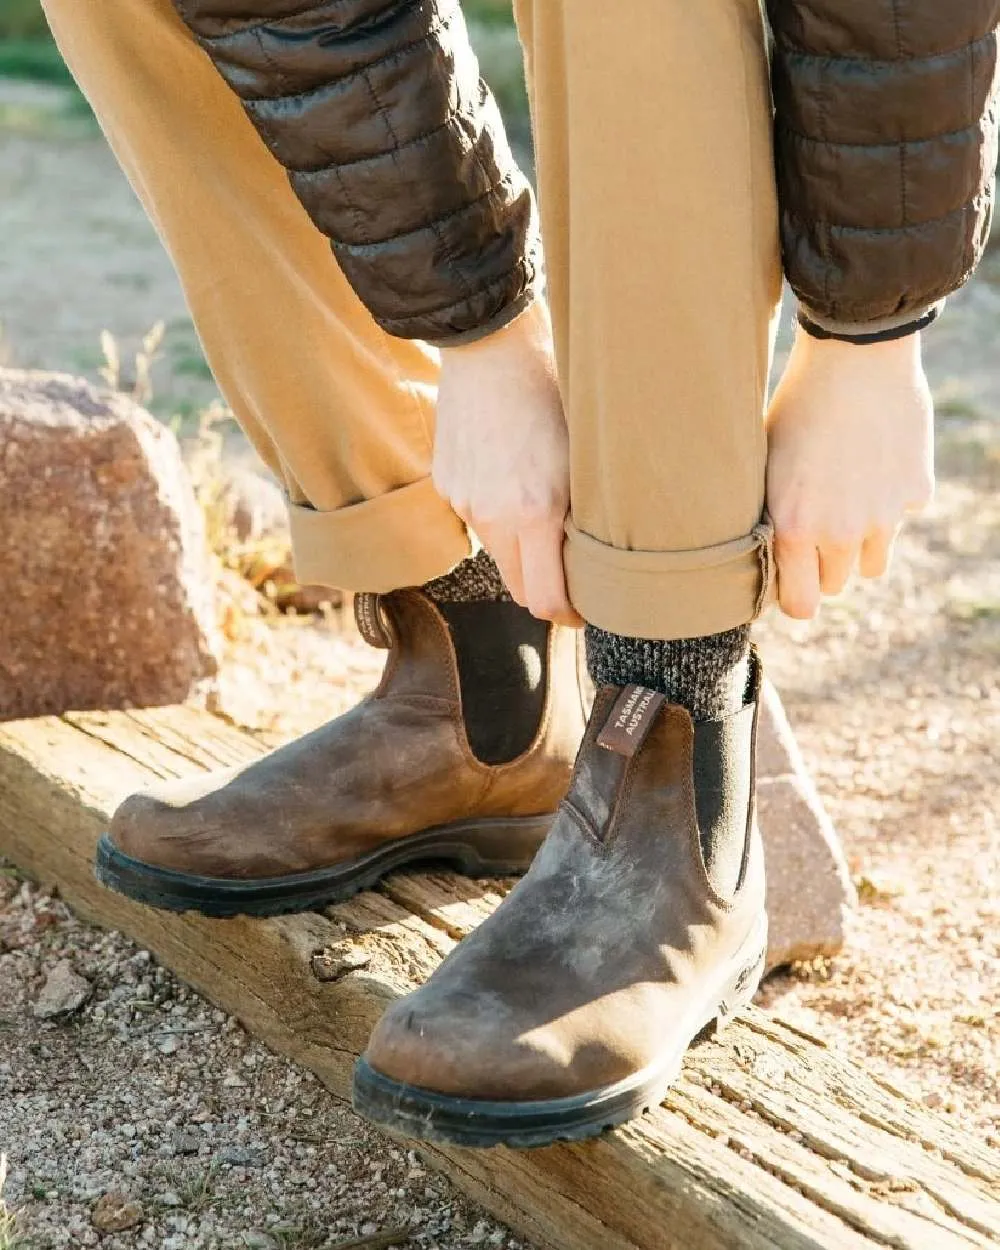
(708, 676)
(476, 580)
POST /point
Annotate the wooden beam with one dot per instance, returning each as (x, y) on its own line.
(768, 1142)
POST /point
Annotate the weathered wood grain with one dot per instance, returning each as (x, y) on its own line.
(768, 1142)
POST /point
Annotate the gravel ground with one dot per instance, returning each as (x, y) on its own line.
(148, 1111)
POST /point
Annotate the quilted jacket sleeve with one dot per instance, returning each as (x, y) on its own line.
(395, 147)
(886, 149)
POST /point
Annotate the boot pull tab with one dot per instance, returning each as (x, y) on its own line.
(630, 720)
(371, 621)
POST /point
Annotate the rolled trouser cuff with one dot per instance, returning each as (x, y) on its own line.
(404, 538)
(671, 594)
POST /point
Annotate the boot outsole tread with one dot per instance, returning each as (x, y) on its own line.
(494, 847)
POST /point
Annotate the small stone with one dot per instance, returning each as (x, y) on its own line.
(876, 889)
(337, 961)
(168, 1045)
(184, 1142)
(243, 1156)
(63, 993)
(115, 1212)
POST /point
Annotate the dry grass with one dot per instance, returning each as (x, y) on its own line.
(290, 654)
(10, 1239)
(262, 560)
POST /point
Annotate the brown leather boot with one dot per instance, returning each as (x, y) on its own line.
(640, 922)
(392, 782)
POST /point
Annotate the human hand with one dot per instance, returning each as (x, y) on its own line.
(850, 453)
(501, 457)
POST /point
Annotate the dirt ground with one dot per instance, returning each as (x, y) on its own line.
(893, 693)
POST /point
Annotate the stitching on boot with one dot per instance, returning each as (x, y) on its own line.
(584, 825)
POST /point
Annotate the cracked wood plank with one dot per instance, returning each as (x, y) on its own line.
(768, 1142)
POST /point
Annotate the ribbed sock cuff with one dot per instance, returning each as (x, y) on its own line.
(708, 676)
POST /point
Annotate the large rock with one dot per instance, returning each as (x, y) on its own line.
(107, 598)
(809, 889)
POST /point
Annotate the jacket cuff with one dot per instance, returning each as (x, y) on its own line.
(505, 317)
(861, 333)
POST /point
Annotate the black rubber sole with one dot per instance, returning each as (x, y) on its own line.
(497, 847)
(423, 1115)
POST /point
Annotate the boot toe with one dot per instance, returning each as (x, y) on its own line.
(165, 828)
(473, 1050)
(137, 829)
(409, 1046)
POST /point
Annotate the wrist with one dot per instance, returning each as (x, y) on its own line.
(869, 333)
(891, 351)
(530, 331)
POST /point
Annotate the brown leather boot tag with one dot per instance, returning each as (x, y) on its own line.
(371, 621)
(631, 719)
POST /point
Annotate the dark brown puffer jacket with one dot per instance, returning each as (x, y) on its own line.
(886, 137)
(394, 146)
(886, 149)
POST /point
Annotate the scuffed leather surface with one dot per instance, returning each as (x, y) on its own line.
(886, 148)
(395, 147)
(601, 954)
(395, 765)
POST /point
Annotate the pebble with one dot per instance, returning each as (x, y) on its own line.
(243, 1156)
(185, 1142)
(63, 993)
(337, 961)
(115, 1212)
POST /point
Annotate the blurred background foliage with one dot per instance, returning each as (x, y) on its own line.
(26, 49)
(27, 52)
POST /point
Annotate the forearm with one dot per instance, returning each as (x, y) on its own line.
(395, 148)
(885, 148)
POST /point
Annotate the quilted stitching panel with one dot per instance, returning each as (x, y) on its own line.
(886, 148)
(393, 145)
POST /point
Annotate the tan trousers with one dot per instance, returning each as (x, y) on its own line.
(653, 137)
